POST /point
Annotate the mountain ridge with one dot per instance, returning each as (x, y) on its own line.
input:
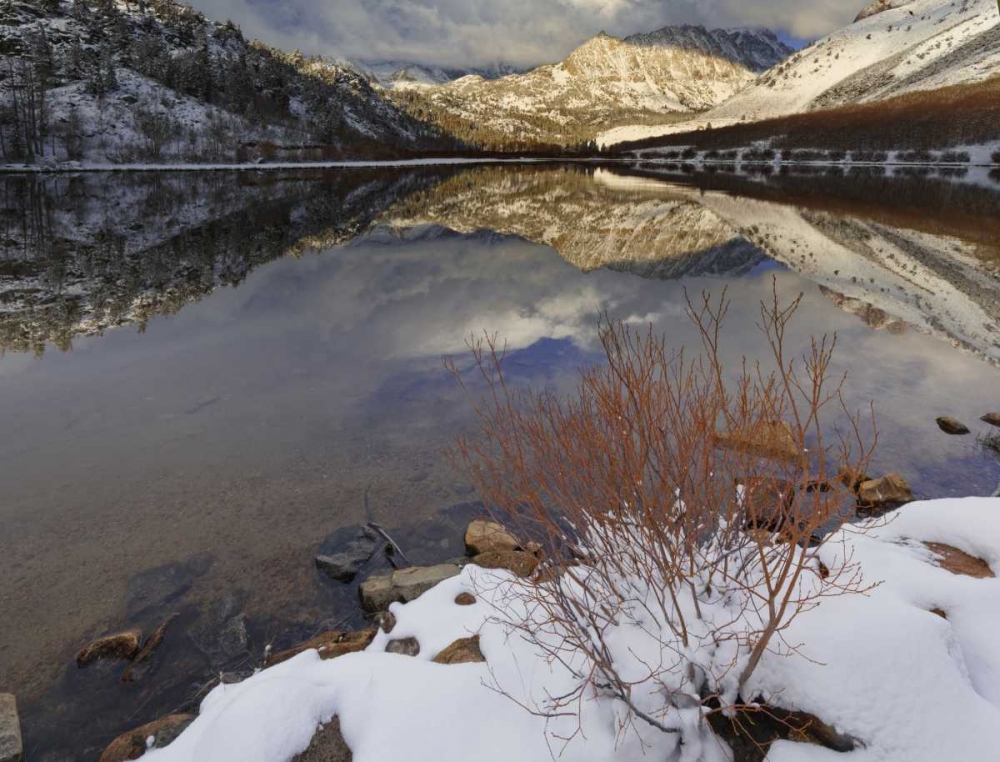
(662, 75)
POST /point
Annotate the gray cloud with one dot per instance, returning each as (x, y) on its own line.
(480, 32)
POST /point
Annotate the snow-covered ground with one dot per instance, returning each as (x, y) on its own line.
(912, 685)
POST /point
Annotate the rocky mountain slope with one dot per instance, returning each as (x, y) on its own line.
(112, 81)
(656, 77)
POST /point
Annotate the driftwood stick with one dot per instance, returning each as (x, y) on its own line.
(389, 539)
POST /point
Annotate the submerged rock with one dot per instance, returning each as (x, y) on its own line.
(952, 426)
(11, 744)
(327, 745)
(221, 633)
(330, 645)
(120, 645)
(158, 586)
(462, 651)
(134, 743)
(343, 565)
(488, 536)
(402, 585)
(771, 440)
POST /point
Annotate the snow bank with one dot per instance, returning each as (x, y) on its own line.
(882, 667)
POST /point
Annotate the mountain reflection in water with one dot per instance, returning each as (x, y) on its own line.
(237, 364)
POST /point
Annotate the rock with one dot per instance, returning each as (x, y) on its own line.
(959, 562)
(11, 745)
(343, 565)
(488, 536)
(993, 419)
(327, 745)
(885, 494)
(133, 744)
(137, 669)
(157, 587)
(385, 621)
(771, 440)
(463, 651)
(120, 645)
(465, 599)
(939, 612)
(403, 647)
(330, 645)
(522, 564)
(402, 585)
(952, 426)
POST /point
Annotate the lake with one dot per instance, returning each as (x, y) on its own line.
(204, 375)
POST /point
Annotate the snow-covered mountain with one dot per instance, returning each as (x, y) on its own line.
(660, 76)
(895, 47)
(393, 74)
(156, 81)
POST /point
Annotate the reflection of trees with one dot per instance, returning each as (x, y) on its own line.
(81, 254)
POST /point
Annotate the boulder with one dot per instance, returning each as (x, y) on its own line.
(488, 536)
(463, 651)
(403, 585)
(343, 565)
(993, 419)
(959, 562)
(139, 666)
(330, 645)
(516, 561)
(885, 494)
(770, 440)
(465, 599)
(385, 621)
(11, 745)
(952, 426)
(403, 647)
(120, 645)
(327, 745)
(134, 743)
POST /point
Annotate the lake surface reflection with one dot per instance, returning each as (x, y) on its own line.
(206, 375)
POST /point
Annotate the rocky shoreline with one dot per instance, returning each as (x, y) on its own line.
(366, 550)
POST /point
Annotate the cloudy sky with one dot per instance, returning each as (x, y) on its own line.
(464, 33)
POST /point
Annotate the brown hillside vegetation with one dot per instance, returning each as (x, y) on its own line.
(949, 116)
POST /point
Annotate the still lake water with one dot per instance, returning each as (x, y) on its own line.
(204, 376)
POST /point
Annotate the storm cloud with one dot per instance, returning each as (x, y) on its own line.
(463, 33)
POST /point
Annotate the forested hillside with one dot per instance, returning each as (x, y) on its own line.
(138, 80)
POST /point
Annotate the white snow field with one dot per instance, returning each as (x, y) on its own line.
(912, 685)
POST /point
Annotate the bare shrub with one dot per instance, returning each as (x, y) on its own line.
(683, 510)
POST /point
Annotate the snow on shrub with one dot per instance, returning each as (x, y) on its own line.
(681, 507)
